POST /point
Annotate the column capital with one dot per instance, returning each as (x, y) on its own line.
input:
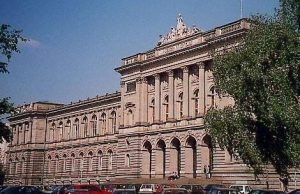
(201, 65)
(139, 80)
(156, 76)
(170, 73)
(144, 80)
(185, 69)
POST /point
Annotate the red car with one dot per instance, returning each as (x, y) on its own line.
(81, 189)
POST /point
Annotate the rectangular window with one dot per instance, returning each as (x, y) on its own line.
(131, 87)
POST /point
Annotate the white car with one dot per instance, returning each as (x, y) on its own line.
(243, 189)
(148, 188)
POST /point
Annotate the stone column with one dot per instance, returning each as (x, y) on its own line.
(18, 134)
(157, 98)
(199, 171)
(107, 129)
(122, 104)
(144, 101)
(171, 95)
(30, 131)
(202, 102)
(182, 161)
(168, 167)
(137, 115)
(185, 91)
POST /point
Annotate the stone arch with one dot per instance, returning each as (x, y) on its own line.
(191, 156)
(147, 159)
(160, 159)
(175, 152)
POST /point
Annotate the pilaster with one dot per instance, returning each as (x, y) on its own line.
(157, 98)
(138, 96)
(122, 104)
(144, 101)
(171, 95)
(202, 102)
(185, 92)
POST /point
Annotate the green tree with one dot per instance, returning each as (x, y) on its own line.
(9, 39)
(262, 75)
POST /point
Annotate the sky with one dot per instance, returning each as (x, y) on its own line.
(75, 45)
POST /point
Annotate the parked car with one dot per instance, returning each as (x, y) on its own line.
(193, 188)
(263, 191)
(224, 191)
(243, 189)
(21, 190)
(209, 188)
(296, 191)
(124, 191)
(148, 188)
(174, 191)
(78, 189)
(2, 187)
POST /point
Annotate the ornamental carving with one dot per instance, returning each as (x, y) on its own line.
(180, 31)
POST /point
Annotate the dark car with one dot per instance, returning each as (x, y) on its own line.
(21, 190)
(209, 188)
(124, 191)
(224, 191)
(262, 191)
(78, 189)
(193, 188)
(175, 191)
(296, 191)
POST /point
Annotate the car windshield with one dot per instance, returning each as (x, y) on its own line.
(239, 188)
(146, 187)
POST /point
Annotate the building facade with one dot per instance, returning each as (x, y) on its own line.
(152, 128)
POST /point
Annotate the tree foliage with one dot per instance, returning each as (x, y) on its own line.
(263, 77)
(9, 39)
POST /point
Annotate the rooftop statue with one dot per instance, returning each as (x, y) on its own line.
(179, 32)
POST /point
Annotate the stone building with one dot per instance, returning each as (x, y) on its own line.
(151, 128)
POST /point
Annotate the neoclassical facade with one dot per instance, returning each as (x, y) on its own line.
(152, 128)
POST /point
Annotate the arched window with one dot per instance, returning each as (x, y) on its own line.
(56, 164)
(196, 102)
(166, 107)
(113, 121)
(100, 160)
(103, 122)
(61, 130)
(211, 96)
(10, 171)
(94, 125)
(127, 160)
(90, 161)
(26, 130)
(52, 132)
(16, 165)
(85, 126)
(81, 160)
(110, 160)
(76, 128)
(23, 165)
(73, 162)
(69, 129)
(152, 110)
(130, 117)
(180, 105)
(49, 164)
(64, 166)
